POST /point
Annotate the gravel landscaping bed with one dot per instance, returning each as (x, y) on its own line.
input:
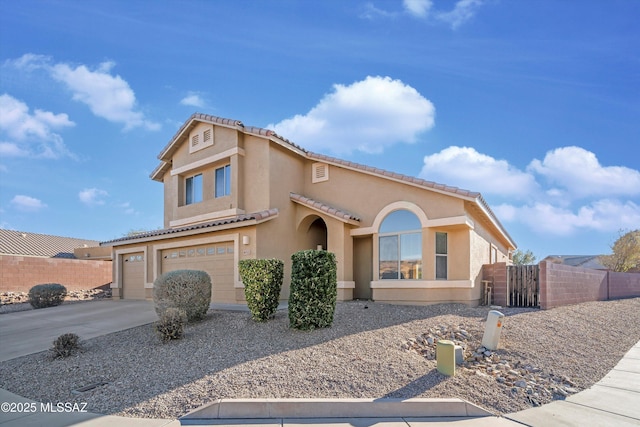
(373, 350)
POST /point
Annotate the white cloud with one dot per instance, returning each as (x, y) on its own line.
(368, 115)
(127, 208)
(27, 203)
(193, 100)
(467, 168)
(11, 149)
(419, 8)
(579, 172)
(463, 11)
(108, 96)
(30, 131)
(573, 204)
(601, 215)
(92, 196)
(371, 12)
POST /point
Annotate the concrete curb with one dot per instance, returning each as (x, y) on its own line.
(229, 409)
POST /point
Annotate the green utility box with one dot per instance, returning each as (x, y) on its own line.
(446, 357)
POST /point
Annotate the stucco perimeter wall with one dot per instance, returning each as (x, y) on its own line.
(19, 273)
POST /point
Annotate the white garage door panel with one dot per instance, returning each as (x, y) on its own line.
(216, 259)
(133, 276)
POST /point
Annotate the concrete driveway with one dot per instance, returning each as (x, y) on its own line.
(32, 331)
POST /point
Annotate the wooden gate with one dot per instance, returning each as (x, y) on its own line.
(523, 286)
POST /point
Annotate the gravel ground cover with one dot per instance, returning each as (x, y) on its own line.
(372, 350)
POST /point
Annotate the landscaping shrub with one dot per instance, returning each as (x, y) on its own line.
(65, 345)
(312, 299)
(262, 279)
(47, 295)
(171, 324)
(188, 290)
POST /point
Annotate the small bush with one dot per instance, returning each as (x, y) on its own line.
(65, 345)
(314, 290)
(188, 290)
(262, 279)
(171, 324)
(47, 295)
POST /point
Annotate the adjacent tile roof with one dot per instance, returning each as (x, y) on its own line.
(256, 216)
(584, 261)
(14, 242)
(324, 207)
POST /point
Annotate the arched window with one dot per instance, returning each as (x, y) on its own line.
(400, 246)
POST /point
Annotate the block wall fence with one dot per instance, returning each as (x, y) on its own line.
(19, 273)
(564, 285)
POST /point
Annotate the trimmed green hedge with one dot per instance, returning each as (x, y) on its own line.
(47, 295)
(262, 279)
(314, 290)
(187, 290)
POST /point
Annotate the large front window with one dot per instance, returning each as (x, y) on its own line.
(193, 189)
(400, 246)
(223, 181)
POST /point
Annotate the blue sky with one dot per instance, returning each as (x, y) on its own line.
(536, 104)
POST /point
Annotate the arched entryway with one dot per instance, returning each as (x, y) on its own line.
(312, 233)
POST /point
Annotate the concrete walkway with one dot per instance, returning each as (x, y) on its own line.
(615, 400)
(32, 331)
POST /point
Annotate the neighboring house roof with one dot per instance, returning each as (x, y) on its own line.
(167, 152)
(14, 242)
(584, 261)
(168, 232)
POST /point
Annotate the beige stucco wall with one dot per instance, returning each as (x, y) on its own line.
(264, 174)
(365, 195)
(153, 255)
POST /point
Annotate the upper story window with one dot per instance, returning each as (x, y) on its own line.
(223, 181)
(441, 256)
(193, 190)
(400, 244)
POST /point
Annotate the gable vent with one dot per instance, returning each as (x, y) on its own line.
(320, 172)
(201, 137)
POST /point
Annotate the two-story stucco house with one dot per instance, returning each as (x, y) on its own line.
(233, 192)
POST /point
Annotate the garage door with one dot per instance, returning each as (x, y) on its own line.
(216, 259)
(133, 276)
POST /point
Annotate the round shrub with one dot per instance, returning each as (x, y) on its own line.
(47, 295)
(262, 279)
(65, 345)
(314, 289)
(187, 290)
(171, 324)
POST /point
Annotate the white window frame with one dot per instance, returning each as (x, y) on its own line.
(226, 174)
(195, 198)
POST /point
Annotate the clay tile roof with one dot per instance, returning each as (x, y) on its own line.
(323, 207)
(41, 245)
(257, 216)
